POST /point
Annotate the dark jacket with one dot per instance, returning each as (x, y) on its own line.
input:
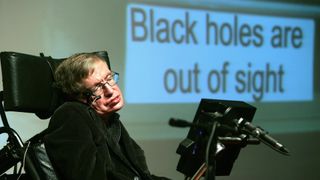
(80, 146)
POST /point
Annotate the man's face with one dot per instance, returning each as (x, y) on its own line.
(111, 99)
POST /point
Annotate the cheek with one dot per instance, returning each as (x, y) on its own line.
(97, 105)
(121, 103)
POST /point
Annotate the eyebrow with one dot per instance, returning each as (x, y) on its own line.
(105, 77)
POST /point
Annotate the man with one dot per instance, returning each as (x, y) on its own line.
(86, 139)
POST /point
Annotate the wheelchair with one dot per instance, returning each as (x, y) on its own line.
(28, 86)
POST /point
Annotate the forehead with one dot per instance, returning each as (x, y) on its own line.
(97, 73)
(99, 70)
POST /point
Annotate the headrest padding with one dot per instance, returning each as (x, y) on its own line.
(27, 82)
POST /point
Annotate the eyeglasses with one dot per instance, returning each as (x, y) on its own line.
(111, 80)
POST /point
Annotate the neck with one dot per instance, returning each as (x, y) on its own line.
(106, 117)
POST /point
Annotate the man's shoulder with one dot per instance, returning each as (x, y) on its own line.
(71, 108)
(73, 105)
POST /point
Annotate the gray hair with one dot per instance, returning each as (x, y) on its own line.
(70, 73)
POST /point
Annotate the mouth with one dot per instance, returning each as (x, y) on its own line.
(115, 101)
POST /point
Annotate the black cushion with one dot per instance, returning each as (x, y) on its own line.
(27, 83)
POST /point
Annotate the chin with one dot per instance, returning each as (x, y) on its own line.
(118, 106)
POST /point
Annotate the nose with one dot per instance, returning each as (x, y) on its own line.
(107, 90)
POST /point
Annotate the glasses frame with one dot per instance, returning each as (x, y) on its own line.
(111, 80)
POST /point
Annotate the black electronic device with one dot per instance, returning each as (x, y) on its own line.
(229, 140)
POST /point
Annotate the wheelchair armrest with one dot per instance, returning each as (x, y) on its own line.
(38, 165)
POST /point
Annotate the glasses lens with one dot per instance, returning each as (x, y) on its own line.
(114, 80)
(111, 81)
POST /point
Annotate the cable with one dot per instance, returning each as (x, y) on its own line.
(2, 174)
(24, 159)
(214, 125)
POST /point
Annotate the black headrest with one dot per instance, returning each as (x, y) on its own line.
(27, 83)
(104, 55)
